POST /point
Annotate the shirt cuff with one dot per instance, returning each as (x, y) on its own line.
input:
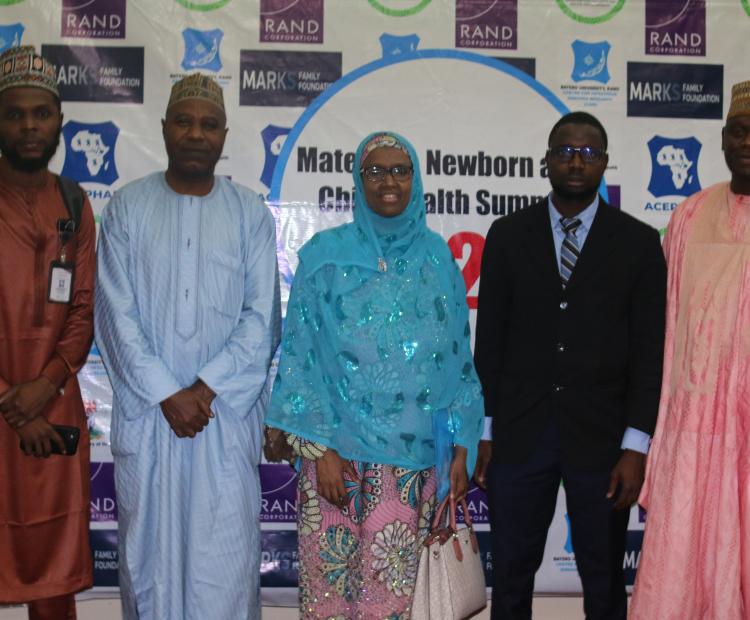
(487, 434)
(635, 440)
(56, 371)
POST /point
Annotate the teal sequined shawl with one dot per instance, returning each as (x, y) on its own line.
(370, 359)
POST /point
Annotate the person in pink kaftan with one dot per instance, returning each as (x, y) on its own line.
(695, 562)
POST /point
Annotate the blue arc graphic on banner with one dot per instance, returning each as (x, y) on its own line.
(381, 63)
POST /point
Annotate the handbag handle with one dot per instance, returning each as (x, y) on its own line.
(434, 534)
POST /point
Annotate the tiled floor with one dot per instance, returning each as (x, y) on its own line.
(545, 608)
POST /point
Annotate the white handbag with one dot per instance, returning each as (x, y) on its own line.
(450, 581)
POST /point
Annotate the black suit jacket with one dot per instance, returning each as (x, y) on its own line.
(590, 354)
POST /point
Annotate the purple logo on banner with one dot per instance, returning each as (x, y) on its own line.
(487, 23)
(93, 19)
(286, 78)
(291, 21)
(103, 503)
(279, 494)
(476, 502)
(676, 27)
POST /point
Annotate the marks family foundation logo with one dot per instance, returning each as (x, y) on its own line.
(591, 11)
(203, 5)
(286, 78)
(590, 74)
(487, 24)
(291, 21)
(399, 8)
(674, 166)
(10, 36)
(676, 27)
(672, 90)
(93, 19)
(90, 152)
(202, 49)
(92, 73)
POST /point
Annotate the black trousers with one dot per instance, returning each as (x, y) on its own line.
(522, 504)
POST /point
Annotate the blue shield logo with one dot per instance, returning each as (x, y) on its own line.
(273, 139)
(590, 61)
(202, 49)
(90, 152)
(395, 45)
(10, 36)
(674, 166)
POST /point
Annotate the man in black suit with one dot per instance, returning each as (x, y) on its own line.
(569, 342)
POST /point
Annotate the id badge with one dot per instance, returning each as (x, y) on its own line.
(60, 282)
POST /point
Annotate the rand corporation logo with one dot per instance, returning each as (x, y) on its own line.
(202, 49)
(488, 24)
(399, 8)
(672, 90)
(90, 152)
(590, 61)
(10, 36)
(674, 169)
(591, 11)
(273, 138)
(203, 5)
(270, 78)
(676, 27)
(93, 19)
(103, 503)
(291, 21)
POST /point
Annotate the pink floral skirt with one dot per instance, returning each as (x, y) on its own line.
(361, 561)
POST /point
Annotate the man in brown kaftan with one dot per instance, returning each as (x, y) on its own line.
(46, 327)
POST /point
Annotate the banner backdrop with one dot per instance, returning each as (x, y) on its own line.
(474, 84)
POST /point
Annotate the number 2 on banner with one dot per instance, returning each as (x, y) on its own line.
(471, 267)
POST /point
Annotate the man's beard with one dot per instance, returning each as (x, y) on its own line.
(35, 164)
(578, 194)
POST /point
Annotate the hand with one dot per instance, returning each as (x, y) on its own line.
(627, 474)
(330, 469)
(275, 447)
(38, 436)
(458, 476)
(484, 456)
(26, 401)
(205, 393)
(186, 412)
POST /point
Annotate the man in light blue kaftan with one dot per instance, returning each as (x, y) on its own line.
(187, 320)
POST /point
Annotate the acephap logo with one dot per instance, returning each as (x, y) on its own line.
(90, 152)
(674, 166)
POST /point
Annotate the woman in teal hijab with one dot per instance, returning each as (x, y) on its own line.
(377, 390)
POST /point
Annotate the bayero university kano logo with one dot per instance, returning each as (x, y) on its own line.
(202, 49)
(90, 152)
(10, 36)
(674, 166)
(590, 61)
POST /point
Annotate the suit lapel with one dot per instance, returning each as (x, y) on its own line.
(597, 246)
(539, 242)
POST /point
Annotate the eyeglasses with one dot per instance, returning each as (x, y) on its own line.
(589, 154)
(376, 174)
